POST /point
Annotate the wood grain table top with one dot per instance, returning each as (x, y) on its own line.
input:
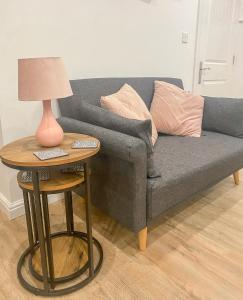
(20, 152)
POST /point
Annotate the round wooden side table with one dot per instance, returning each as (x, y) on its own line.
(19, 155)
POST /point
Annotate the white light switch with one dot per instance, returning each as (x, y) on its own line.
(184, 37)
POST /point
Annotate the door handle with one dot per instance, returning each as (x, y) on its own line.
(205, 69)
(201, 69)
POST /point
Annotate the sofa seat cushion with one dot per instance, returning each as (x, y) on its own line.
(189, 165)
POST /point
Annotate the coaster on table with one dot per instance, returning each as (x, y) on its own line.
(84, 144)
(52, 153)
(27, 176)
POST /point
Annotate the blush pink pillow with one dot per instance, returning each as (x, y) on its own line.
(175, 111)
(128, 104)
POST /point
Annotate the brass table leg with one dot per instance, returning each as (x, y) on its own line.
(28, 218)
(40, 236)
(40, 229)
(69, 211)
(88, 217)
(48, 238)
(33, 216)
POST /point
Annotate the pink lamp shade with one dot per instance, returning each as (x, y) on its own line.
(44, 79)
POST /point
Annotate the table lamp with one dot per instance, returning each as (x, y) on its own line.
(44, 79)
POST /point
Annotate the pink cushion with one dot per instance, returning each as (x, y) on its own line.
(128, 104)
(175, 111)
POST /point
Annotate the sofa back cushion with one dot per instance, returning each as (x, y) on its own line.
(224, 115)
(127, 103)
(90, 91)
(101, 117)
(141, 129)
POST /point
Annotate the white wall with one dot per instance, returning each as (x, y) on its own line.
(96, 39)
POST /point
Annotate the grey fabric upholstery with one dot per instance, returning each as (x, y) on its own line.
(91, 90)
(142, 129)
(118, 181)
(190, 165)
(99, 116)
(223, 115)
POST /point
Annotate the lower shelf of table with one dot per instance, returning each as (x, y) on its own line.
(71, 264)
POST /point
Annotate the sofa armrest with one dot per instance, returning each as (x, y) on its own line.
(113, 143)
(224, 115)
(119, 173)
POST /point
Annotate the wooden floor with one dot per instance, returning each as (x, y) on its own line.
(194, 252)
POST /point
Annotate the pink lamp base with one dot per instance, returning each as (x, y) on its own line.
(49, 133)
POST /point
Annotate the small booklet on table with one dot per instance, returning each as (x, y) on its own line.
(52, 153)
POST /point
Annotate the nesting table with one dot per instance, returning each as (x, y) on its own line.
(19, 155)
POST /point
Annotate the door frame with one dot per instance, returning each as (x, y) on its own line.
(198, 41)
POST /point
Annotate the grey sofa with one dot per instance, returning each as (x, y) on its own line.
(120, 185)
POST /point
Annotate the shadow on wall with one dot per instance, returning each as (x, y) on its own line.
(4, 190)
(1, 135)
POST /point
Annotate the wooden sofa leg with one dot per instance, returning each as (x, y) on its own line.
(237, 177)
(142, 239)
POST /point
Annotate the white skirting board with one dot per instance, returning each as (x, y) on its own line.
(16, 209)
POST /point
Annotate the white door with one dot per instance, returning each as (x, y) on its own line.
(213, 74)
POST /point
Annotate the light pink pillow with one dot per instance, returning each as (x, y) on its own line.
(128, 104)
(175, 111)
